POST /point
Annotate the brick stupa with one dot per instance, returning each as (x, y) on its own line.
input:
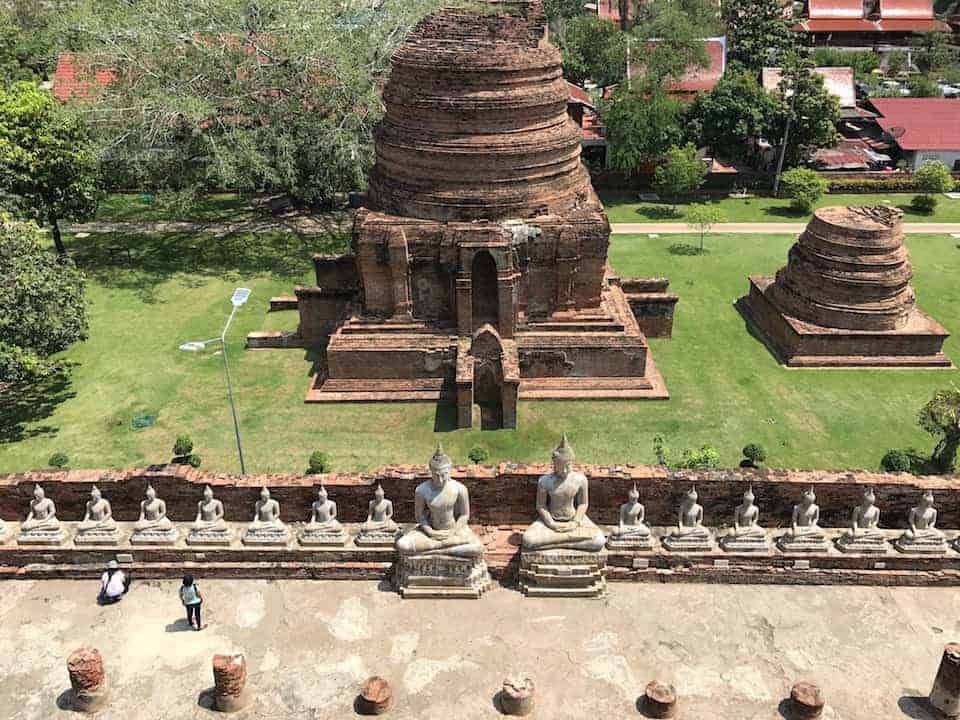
(844, 298)
(478, 273)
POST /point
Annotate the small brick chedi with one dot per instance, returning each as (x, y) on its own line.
(478, 271)
(844, 297)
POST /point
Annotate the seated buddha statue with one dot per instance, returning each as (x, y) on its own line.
(209, 528)
(690, 534)
(153, 525)
(922, 535)
(323, 527)
(562, 503)
(379, 529)
(41, 524)
(442, 510)
(98, 524)
(631, 533)
(805, 534)
(266, 527)
(746, 535)
(864, 534)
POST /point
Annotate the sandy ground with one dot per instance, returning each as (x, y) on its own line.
(732, 651)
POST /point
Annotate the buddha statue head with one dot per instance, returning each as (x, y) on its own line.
(264, 494)
(207, 493)
(748, 497)
(150, 493)
(926, 500)
(378, 493)
(95, 494)
(440, 466)
(809, 497)
(869, 497)
(322, 493)
(563, 458)
(38, 494)
(634, 494)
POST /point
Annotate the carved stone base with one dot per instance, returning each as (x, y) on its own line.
(98, 537)
(875, 545)
(323, 537)
(803, 543)
(688, 543)
(155, 537)
(563, 573)
(921, 547)
(41, 537)
(377, 538)
(272, 537)
(208, 538)
(731, 543)
(630, 542)
(442, 576)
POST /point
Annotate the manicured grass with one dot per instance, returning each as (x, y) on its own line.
(146, 207)
(725, 387)
(626, 208)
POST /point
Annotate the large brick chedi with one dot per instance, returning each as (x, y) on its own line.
(844, 297)
(479, 267)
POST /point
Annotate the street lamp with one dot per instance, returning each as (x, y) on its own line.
(239, 298)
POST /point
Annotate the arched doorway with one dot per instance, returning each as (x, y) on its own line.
(487, 353)
(485, 305)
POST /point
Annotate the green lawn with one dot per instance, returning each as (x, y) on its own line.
(147, 207)
(726, 389)
(623, 207)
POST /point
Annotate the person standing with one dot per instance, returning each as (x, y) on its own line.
(192, 600)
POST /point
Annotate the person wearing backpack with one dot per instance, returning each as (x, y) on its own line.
(192, 600)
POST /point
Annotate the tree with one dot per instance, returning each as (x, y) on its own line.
(593, 50)
(753, 455)
(318, 463)
(758, 32)
(932, 178)
(669, 39)
(937, 53)
(680, 173)
(701, 218)
(642, 124)
(42, 306)
(941, 417)
(737, 110)
(804, 187)
(809, 107)
(923, 86)
(46, 158)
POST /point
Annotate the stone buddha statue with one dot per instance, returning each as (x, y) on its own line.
(562, 503)
(323, 528)
(690, 535)
(922, 535)
(41, 525)
(379, 530)
(209, 528)
(266, 528)
(864, 535)
(805, 534)
(631, 533)
(442, 510)
(746, 535)
(98, 525)
(153, 525)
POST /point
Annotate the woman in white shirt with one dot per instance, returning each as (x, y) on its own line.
(113, 584)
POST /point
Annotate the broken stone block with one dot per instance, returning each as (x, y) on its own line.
(945, 695)
(375, 697)
(806, 701)
(87, 679)
(659, 700)
(517, 696)
(231, 693)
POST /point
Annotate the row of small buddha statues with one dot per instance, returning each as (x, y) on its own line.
(442, 512)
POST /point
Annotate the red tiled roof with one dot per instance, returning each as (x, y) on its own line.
(835, 8)
(579, 95)
(920, 25)
(901, 9)
(697, 79)
(610, 10)
(74, 78)
(836, 25)
(921, 123)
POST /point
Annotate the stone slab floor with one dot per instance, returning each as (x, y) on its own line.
(732, 651)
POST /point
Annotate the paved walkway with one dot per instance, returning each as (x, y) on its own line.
(320, 224)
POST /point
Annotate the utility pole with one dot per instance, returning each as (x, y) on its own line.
(786, 138)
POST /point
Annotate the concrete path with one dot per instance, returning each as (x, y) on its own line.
(762, 227)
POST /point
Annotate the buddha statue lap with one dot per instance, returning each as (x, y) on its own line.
(98, 526)
(805, 534)
(864, 535)
(922, 535)
(153, 527)
(209, 528)
(266, 527)
(323, 527)
(689, 535)
(631, 533)
(441, 556)
(746, 535)
(379, 530)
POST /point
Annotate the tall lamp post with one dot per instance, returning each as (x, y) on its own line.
(239, 298)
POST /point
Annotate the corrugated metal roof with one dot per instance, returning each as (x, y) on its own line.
(838, 81)
(906, 9)
(921, 123)
(836, 8)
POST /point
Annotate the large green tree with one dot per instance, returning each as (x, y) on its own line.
(810, 108)
(47, 160)
(593, 50)
(941, 417)
(42, 308)
(251, 95)
(642, 122)
(758, 31)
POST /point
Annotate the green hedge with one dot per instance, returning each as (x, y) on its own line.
(898, 184)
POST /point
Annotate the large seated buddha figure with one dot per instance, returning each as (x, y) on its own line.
(562, 503)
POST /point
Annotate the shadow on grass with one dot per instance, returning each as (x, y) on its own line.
(687, 249)
(139, 262)
(23, 405)
(786, 211)
(660, 212)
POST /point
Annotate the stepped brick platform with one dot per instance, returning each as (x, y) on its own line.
(844, 298)
(478, 273)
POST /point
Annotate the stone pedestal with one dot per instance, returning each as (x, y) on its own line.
(692, 543)
(442, 576)
(945, 695)
(231, 693)
(377, 538)
(734, 544)
(323, 536)
(923, 546)
(375, 697)
(516, 697)
(100, 536)
(563, 573)
(630, 542)
(87, 680)
(806, 701)
(210, 538)
(268, 536)
(155, 536)
(42, 537)
(866, 545)
(659, 700)
(804, 543)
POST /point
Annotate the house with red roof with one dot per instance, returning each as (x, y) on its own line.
(76, 79)
(867, 23)
(695, 79)
(922, 128)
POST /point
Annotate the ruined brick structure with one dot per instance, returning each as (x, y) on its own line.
(844, 297)
(479, 271)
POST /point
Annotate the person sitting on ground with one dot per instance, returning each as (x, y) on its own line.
(192, 600)
(114, 584)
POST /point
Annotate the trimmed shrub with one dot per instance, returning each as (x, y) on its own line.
(58, 460)
(193, 460)
(924, 203)
(703, 458)
(896, 461)
(318, 463)
(183, 446)
(892, 184)
(478, 454)
(754, 454)
(804, 187)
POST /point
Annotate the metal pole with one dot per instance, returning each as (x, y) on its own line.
(233, 407)
(783, 146)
